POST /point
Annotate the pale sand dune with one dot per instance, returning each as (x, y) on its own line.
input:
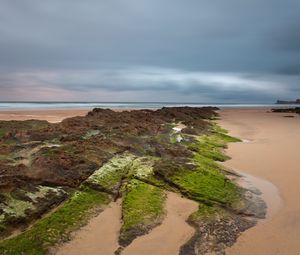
(167, 238)
(99, 236)
(271, 153)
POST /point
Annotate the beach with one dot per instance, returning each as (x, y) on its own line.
(270, 151)
(268, 155)
(51, 115)
(109, 221)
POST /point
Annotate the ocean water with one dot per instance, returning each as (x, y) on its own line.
(121, 105)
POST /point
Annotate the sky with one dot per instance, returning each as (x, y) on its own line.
(199, 51)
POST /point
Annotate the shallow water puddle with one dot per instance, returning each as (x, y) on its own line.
(99, 236)
(269, 192)
(167, 238)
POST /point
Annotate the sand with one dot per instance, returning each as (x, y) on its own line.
(99, 236)
(269, 156)
(270, 152)
(52, 116)
(167, 238)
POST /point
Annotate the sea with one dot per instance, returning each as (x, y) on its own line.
(4, 106)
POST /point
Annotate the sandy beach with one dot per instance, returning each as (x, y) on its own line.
(51, 115)
(90, 239)
(270, 152)
(167, 238)
(174, 231)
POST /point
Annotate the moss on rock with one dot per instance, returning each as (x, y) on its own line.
(55, 227)
(142, 209)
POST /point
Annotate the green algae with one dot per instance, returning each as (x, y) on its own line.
(42, 192)
(173, 137)
(143, 200)
(142, 167)
(212, 145)
(26, 155)
(142, 203)
(124, 166)
(20, 205)
(13, 208)
(207, 186)
(175, 133)
(206, 212)
(91, 133)
(142, 209)
(2, 132)
(112, 172)
(207, 182)
(55, 227)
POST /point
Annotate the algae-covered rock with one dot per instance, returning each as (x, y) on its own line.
(216, 229)
(108, 177)
(136, 155)
(21, 206)
(142, 210)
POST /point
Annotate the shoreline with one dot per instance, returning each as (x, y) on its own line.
(269, 152)
(267, 160)
(50, 115)
(265, 189)
(111, 173)
(55, 115)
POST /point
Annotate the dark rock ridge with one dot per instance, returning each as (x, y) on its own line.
(287, 110)
(297, 101)
(66, 153)
(41, 160)
(135, 154)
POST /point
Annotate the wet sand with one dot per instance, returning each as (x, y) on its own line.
(52, 116)
(99, 236)
(167, 238)
(270, 152)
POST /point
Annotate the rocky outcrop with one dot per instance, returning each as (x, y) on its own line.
(65, 154)
(73, 149)
(297, 101)
(135, 155)
(287, 110)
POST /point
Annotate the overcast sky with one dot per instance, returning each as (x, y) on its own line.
(150, 50)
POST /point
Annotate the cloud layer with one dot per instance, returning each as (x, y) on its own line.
(159, 50)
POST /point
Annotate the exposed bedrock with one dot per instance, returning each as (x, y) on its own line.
(138, 155)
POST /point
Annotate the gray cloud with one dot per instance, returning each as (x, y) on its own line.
(139, 82)
(170, 50)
